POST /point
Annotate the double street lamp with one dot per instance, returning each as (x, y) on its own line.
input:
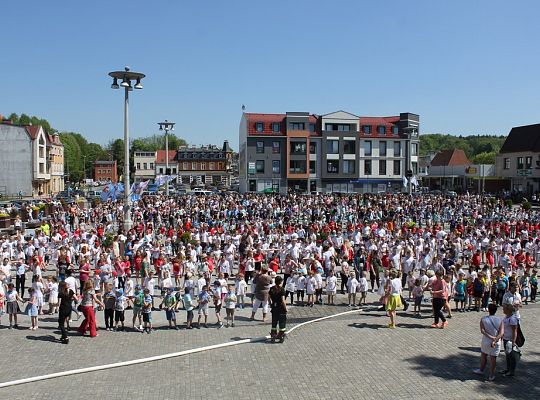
(126, 77)
(166, 126)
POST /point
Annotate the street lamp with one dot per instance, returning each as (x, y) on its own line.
(166, 126)
(409, 131)
(126, 77)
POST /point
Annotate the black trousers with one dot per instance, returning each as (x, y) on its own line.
(109, 317)
(62, 317)
(278, 318)
(344, 279)
(438, 304)
(19, 284)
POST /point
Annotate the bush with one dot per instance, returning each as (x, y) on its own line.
(526, 205)
(509, 203)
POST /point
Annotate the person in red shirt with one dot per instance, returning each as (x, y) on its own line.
(476, 260)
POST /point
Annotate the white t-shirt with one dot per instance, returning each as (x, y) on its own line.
(331, 282)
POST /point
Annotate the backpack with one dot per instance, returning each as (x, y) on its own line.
(478, 287)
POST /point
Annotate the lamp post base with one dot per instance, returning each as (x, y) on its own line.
(128, 223)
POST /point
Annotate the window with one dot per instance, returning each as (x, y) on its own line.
(276, 167)
(41, 168)
(520, 163)
(506, 163)
(332, 146)
(312, 167)
(414, 167)
(161, 170)
(275, 127)
(259, 126)
(211, 166)
(298, 147)
(395, 130)
(348, 167)
(41, 152)
(186, 166)
(414, 149)
(259, 166)
(332, 166)
(528, 162)
(145, 165)
(312, 148)
(297, 126)
(275, 148)
(297, 166)
(382, 167)
(193, 166)
(338, 127)
(203, 166)
(349, 147)
(397, 167)
(397, 149)
(312, 127)
(366, 129)
(367, 148)
(381, 130)
(382, 148)
(260, 147)
(367, 167)
(151, 165)
(138, 166)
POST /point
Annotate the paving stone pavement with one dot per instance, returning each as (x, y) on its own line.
(352, 356)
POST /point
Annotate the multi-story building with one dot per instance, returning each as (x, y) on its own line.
(205, 164)
(161, 165)
(24, 165)
(336, 152)
(145, 165)
(56, 163)
(519, 159)
(105, 171)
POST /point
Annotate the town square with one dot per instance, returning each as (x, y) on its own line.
(248, 200)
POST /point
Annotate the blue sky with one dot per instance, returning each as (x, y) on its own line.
(465, 66)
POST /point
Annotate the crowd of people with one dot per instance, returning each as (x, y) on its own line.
(444, 255)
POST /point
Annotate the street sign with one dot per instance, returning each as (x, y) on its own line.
(524, 172)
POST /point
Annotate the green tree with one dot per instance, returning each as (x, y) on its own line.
(73, 160)
(24, 120)
(14, 118)
(485, 157)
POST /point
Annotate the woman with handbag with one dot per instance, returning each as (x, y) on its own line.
(513, 354)
(492, 329)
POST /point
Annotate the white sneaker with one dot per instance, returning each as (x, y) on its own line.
(478, 371)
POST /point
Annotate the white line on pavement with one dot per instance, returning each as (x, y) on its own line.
(161, 357)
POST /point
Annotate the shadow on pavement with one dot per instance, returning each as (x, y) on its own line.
(43, 338)
(458, 367)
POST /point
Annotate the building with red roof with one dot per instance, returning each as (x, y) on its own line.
(336, 152)
(26, 168)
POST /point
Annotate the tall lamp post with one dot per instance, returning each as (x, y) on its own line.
(126, 77)
(166, 126)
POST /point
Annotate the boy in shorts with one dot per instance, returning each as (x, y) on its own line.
(138, 300)
(218, 302)
(204, 299)
(189, 308)
(119, 307)
(147, 311)
(169, 303)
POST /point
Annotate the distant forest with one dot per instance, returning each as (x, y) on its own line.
(480, 149)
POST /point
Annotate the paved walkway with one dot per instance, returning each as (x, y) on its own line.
(353, 356)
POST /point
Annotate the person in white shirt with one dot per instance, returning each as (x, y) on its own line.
(331, 287)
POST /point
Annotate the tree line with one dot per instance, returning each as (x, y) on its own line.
(480, 149)
(79, 154)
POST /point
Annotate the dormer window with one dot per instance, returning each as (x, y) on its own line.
(259, 126)
(381, 130)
